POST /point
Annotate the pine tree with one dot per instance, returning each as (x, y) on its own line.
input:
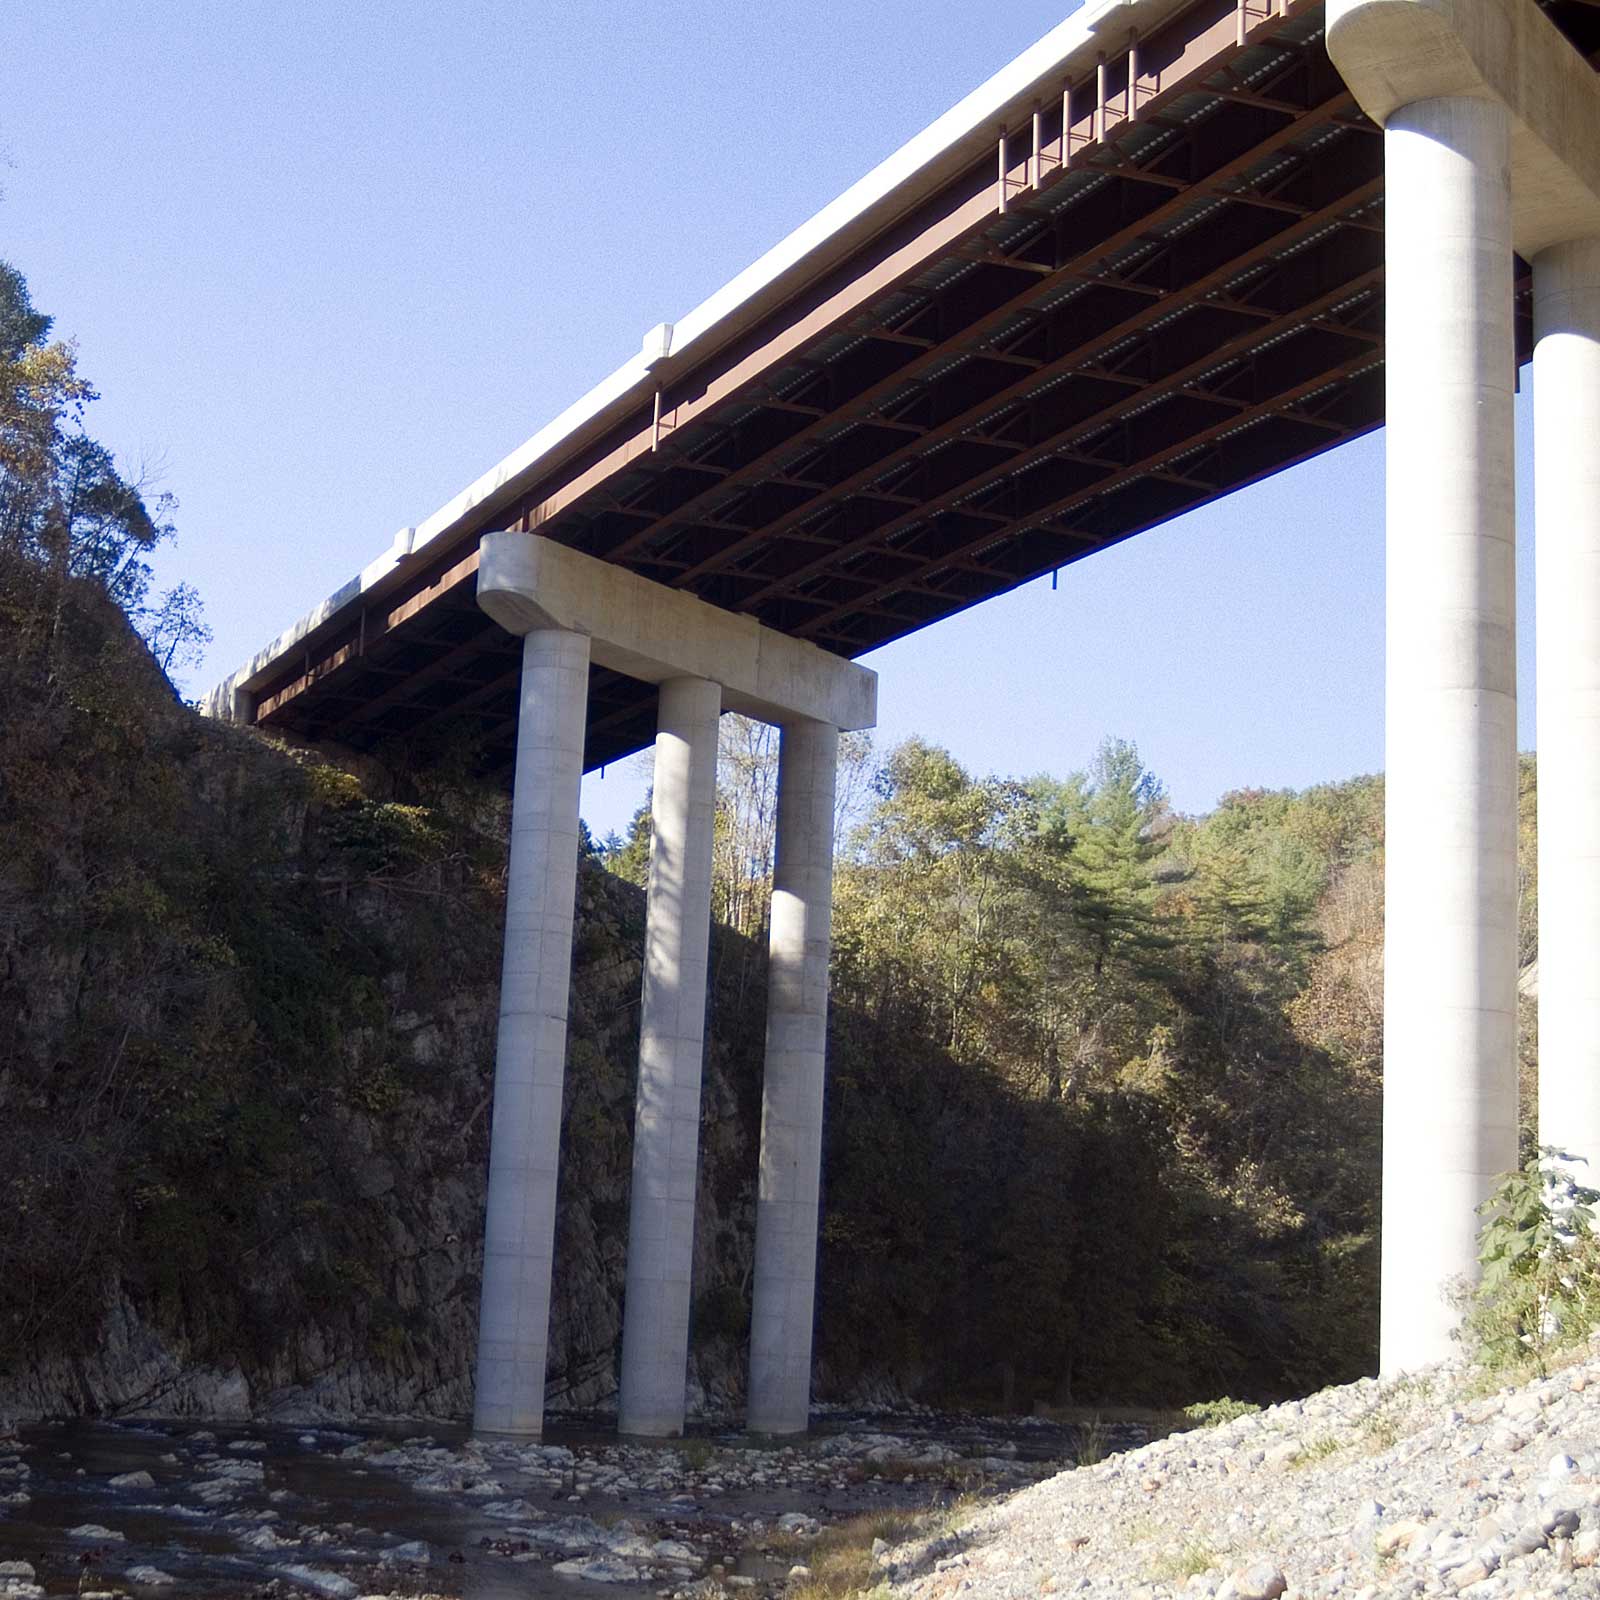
(1109, 822)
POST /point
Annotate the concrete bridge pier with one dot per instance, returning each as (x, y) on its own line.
(1492, 145)
(789, 1188)
(1566, 379)
(531, 1050)
(666, 1129)
(573, 607)
(1450, 965)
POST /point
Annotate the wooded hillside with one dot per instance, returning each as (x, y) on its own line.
(1178, 1025)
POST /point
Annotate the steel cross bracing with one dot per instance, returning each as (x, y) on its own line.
(1131, 310)
(965, 406)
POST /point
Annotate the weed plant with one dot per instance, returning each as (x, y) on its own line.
(1539, 1290)
(1213, 1413)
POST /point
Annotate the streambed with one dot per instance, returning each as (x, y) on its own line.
(173, 1511)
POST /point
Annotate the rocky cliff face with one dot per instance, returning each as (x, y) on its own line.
(408, 1172)
(407, 1175)
(247, 1020)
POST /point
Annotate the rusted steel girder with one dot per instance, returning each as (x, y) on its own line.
(973, 398)
(1209, 155)
(969, 336)
(1359, 195)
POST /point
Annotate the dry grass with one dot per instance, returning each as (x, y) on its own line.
(1187, 1561)
(1318, 1448)
(840, 1558)
(1404, 1407)
(1141, 1530)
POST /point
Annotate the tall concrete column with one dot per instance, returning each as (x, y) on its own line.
(1450, 957)
(791, 1111)
(531, 1052)
(666, 1128)
(1566, 476)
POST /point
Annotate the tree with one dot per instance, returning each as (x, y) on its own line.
(1109, 822)
(629, 857)
(746, 822)
(1099, 941)
(1257, 883)
(65, 506)
(933, 888)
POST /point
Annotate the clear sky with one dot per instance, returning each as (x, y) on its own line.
(329, 263)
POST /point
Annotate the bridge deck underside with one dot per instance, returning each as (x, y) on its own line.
(1190, 301)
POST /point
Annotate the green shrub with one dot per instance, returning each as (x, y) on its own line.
(1213, 1413)
(331, 786)
(1539, 1292)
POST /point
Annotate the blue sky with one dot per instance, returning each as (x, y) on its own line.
(327, 264)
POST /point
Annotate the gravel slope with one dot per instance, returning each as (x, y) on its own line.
(1420, 1486)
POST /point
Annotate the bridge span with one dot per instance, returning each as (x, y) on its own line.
(1139, 268)
(1146, 264)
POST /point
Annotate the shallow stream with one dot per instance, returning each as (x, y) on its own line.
(419, 1508)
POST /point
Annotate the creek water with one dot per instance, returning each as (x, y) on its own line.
(228, 1510)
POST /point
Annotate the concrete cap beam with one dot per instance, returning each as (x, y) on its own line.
(653, 633)
(1393, 53)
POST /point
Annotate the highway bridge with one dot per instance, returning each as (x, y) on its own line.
(1146, 264)
(1140, 268)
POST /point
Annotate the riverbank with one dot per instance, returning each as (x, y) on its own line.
(1425, 1485)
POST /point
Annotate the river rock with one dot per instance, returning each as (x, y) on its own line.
(413, 1551)
(676, 1551)
(598, 1569)
(1562, 1523)
(1261, 1580)
(1388, 1540)
(266, 1539)
(320, 1581)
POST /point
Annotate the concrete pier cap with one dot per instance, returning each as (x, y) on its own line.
(1393, 53)
(654, 633)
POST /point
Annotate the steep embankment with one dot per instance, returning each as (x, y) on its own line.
(247, 1010)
